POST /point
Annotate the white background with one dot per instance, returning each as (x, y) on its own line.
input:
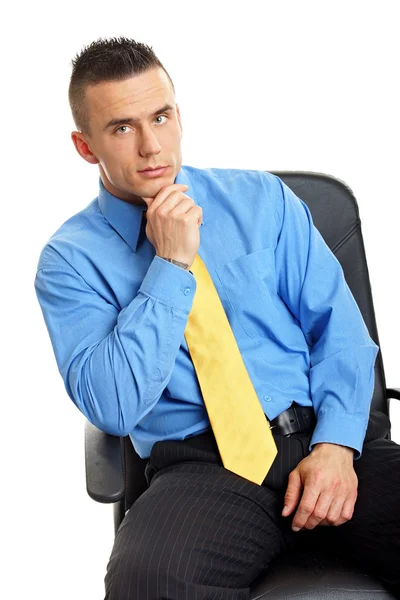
(264, 85)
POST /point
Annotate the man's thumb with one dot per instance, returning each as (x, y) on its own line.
(148, 200)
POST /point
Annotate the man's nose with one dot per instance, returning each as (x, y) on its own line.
(149, 143)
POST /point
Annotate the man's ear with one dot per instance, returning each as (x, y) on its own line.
(83, 148)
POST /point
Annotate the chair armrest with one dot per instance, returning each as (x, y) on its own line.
(104, 468)
(393, 393)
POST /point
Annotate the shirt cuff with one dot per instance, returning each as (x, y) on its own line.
(169, 284)
(340, 428)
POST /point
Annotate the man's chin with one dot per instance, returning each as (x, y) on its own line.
(154, 186)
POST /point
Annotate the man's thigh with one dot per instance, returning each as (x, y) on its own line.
(198, 526)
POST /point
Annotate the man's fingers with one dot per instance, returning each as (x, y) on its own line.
(164, 193)
(326, 506)
(293, 493)
(335, 510)
(306, 507)
(347, 509)
(340, 511)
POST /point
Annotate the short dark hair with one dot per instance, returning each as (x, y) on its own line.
(112, 59)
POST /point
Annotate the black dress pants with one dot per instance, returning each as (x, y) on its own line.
(201, 532)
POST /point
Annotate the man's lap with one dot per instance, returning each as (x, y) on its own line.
(199, 524)
(195, 511)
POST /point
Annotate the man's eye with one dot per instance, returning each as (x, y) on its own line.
(125, 126)
(122, 126)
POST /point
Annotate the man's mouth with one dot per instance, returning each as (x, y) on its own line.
(154, 172)
(153, 168)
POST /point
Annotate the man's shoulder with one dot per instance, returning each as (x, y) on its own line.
(70, 233)
(257, 185)
(232, 174)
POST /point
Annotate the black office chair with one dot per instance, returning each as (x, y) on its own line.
(115, 472)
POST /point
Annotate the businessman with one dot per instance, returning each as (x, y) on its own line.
(115, 286)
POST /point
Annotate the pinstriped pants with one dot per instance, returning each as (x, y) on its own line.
(201, 532)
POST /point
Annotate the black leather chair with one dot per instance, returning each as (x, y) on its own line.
(115, 472)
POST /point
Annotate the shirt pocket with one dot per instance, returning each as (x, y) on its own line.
(250, 284)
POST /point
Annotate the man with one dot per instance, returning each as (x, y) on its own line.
(115, 286)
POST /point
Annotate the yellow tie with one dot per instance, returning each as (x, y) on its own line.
(241, 429)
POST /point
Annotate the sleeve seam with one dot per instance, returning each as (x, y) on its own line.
(67, 271)
(56, 268)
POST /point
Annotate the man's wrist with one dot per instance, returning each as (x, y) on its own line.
(321, 446)
(177, 263)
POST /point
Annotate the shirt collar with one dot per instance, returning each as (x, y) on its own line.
(126, 218)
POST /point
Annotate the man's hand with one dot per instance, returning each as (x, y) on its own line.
(330, 487)
(173, 222)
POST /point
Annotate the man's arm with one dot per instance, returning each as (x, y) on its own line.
(311, 282)
(115, 364)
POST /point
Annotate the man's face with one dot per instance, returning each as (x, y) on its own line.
(124, 148)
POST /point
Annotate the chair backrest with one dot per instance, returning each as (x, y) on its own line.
(334, 210)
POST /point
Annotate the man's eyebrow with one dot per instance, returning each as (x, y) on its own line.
(122, 121)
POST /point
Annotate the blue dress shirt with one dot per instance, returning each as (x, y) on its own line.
(116, 313)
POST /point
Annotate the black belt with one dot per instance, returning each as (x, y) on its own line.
(294, 419)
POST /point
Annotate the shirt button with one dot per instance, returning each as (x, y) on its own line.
(267, 398)
(187, 291)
